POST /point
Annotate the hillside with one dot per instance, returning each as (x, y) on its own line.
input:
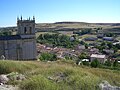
(68, 26)
(59, 75)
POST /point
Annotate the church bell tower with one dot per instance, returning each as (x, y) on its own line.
(26, 30)
(26, 27)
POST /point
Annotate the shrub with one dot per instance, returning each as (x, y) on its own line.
(95, 63)
(57, 40)
(108, 63)
(5, 33)
(85, 63)
(48, 57)
(115, 64)
(82, 56)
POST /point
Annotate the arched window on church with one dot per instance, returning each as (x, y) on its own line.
(30, 30)
(25, 30)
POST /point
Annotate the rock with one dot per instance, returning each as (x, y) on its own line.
(106, 86)
(16, 76)
(20, 77)
(57, 77)
(8, 87)
(4, 79)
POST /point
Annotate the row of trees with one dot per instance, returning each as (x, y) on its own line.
(83, 31)
(108, 45)
(109, 34)
(57, 40)
(5, 33)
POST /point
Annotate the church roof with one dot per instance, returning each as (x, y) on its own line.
(11, 37)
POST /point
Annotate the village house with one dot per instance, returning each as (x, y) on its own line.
(100, 58)
(21, 46)
(80, 47)
(100, 35)
(108, 38)
(108, 51)
(90, 39)
(93, 51)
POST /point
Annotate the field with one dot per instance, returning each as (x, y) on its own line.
(71, 25)
(59, 75)
(38, 33)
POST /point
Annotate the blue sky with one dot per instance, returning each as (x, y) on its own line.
(98, 11)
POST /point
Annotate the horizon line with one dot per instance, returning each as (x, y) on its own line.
(65, 22)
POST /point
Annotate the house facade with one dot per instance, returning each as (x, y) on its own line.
(21, 46)
(100, 58)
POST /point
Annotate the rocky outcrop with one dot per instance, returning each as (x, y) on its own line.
(8, 87)
(106, 86)
(11, 77)
(3, 79)
(58, 77)
(16, 76)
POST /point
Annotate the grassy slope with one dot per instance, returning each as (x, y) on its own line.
(76, 77)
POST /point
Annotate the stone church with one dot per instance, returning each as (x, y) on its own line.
(21, 46)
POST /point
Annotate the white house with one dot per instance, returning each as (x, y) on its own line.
(101, 58)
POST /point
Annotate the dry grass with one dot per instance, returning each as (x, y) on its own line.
(87, 35)
(73, 25)
(77, 77)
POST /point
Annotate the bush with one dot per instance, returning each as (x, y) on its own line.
(85, 63)
(5, 33)
(115, 64)
(38, 82)
(82, 56)
(95, 63)
(108, 63)
(48, 57)
(57, 40)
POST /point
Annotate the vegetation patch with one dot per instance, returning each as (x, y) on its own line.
(57, 40)
(59, 75)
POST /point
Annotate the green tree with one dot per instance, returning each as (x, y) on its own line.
(115, 64)
(82, 56)
(82, 42)
(95, 63)
(57, 40)
(117, 46)
(108, 63)
(5, 33)
(86, 45)
(109, 34)
(85, 63)
(110, 45)
(103, 44)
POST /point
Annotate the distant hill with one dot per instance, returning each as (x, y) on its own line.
(67, 25)
(71, 23)
(71, 26)
(111, 24)
(8, 28)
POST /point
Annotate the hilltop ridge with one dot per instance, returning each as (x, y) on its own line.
(66, 26)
